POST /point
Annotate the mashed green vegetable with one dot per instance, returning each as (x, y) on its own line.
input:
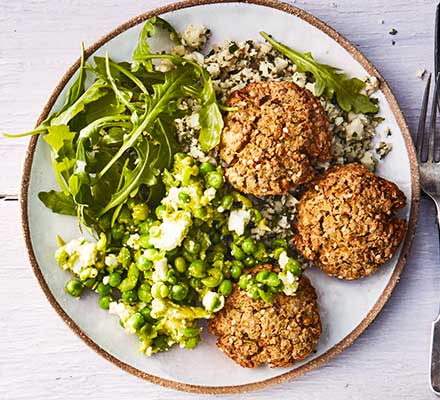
(161, 270)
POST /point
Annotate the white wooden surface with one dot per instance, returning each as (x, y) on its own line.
(40, 358)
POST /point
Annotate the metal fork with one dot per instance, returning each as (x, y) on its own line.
(429, 165)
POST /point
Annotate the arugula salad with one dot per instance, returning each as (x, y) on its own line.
(135, 153)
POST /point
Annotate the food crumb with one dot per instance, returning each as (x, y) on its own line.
(383, 148)
(388, 132)
(421, 73)
(382, 21)
(393, 32)
(393, 42)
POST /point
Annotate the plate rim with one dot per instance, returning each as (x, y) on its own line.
(386, 293)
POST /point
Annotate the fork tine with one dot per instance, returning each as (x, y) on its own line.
(433, 123)
(422, 121)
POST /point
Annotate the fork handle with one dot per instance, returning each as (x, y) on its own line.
(435, 357)
(435, 331)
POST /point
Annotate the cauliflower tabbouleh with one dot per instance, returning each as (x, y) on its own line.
(233, 66)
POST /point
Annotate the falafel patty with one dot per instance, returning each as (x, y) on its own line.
(253, 332)
(346, 222)
(271, 142)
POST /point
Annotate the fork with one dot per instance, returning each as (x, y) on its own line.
(429, 166)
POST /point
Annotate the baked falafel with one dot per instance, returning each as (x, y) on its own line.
(346, 222)
(271, 142)
(253, 332)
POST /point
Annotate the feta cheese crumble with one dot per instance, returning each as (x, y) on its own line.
(238, 219)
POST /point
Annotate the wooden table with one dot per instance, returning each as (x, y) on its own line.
(40, 358)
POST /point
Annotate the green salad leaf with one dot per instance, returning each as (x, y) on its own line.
(328, 80)
(111, 140)
(58, 202)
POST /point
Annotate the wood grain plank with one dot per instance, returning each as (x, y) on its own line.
(41, 358)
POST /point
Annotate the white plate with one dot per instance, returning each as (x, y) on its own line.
(346, 308)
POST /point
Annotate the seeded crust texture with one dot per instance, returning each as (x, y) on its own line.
(252, 332)
(346, 222)
(271, 142)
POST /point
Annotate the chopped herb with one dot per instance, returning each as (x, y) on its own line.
(233, 48)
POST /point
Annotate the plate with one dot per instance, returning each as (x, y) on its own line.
(347, 308)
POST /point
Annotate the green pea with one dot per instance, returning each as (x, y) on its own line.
(129, 283)
(220, 248)
(159, 290)
(130, 296)
(179, 292)
(215, 276)
(171, 277)
(214, 179)
(144, 292)
(144, 227)
(160, 211)
(279, 243)
(184, 197)
(103, 290)
(179, 157)
(225, 287)
(143, 263)
(144, 241)
(104, 302)
(215, 237)
(197, 269)
(200, 213)
(262, 276)
(124, 216)
(74, 288)
(146, 313)
(188, 256)
(273, 280)
(137, 321)
(253, 291)
(236, 269)
(227, 202)
(206, 167)
(131, 202)
(249, 246)
(261, 253)
(150, 254)
(180, 264)
(277, 252)
(249, 261)
(89, 283)
(275, 289)
(140, 212)
(294, 267)
(191, 246)
(266, 296)
(118, 232)
(196, 283)
(237, 253)
(244, 281)
(124, 257)
(114, 279)
(192, 342)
